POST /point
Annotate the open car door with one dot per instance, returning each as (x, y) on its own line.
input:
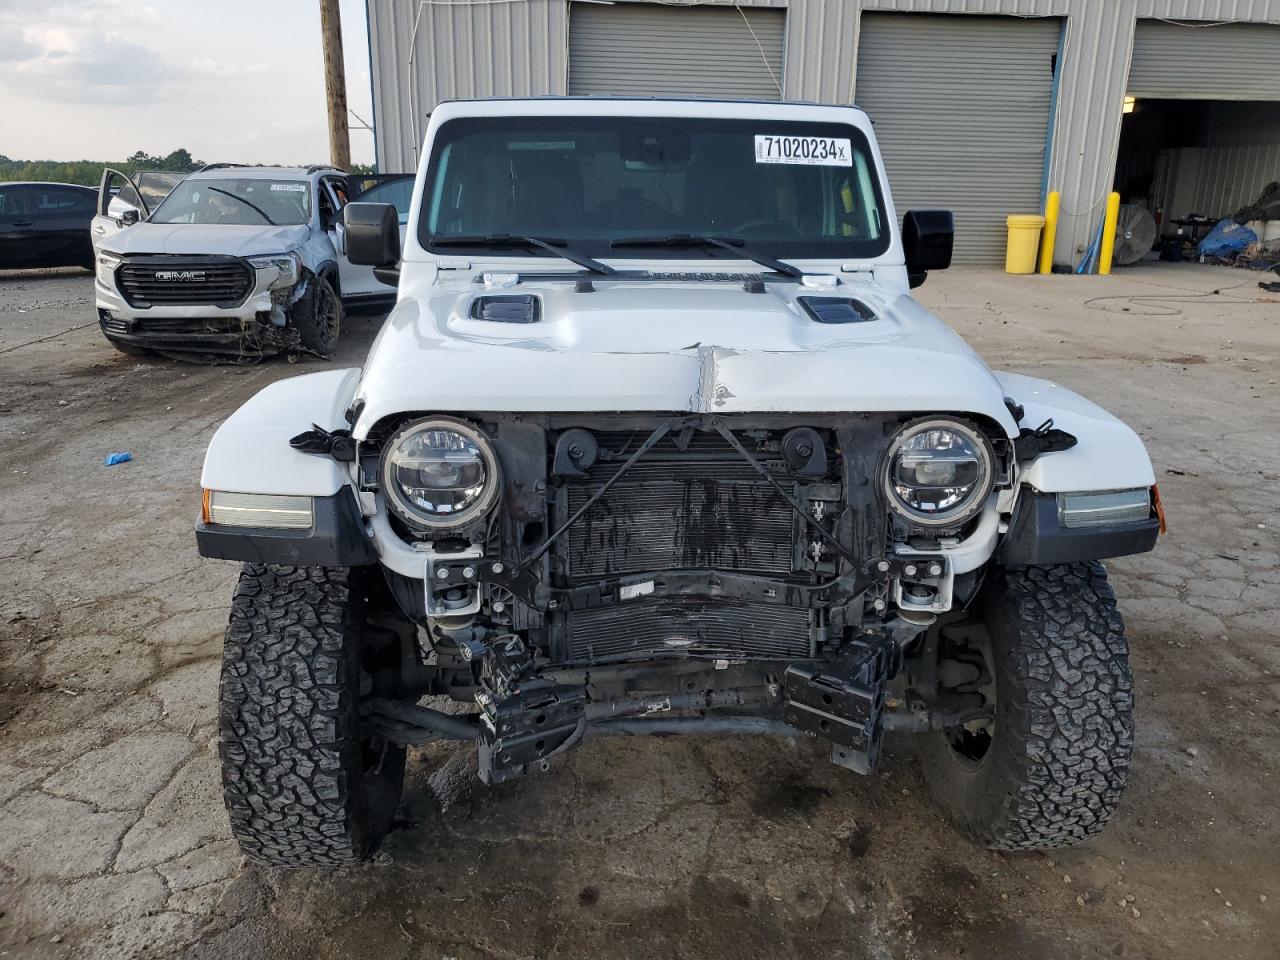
(395, 189)
(124, 200)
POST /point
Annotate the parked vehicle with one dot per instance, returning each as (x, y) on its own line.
(656, 441)
(235, 262)
(45, 225)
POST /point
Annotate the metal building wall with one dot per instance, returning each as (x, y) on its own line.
(520, 47)
(503, 49)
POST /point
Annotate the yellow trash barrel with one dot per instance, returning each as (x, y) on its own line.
(1024, 242)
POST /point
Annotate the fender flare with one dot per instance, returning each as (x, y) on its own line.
(250, 451)
(1109, 455)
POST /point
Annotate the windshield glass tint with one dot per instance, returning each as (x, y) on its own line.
(238, 202)
(791, 189)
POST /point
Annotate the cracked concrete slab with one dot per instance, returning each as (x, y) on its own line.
(123, 775)
(182, 816)
(203, 866)
(44, 836)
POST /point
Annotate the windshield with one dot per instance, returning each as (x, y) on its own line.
(787, 188)
(237, 201)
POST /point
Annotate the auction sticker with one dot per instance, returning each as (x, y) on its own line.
(813, 151)
(290, 187)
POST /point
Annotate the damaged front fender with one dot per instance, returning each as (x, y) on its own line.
(250, 453)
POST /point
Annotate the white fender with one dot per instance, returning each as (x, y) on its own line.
(1109, 455)
(250, 453)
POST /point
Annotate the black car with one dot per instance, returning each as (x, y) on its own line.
(46, 225)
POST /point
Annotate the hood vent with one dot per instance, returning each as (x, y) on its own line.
(507, 308)
(836, 309)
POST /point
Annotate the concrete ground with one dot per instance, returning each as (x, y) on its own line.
(113, 839)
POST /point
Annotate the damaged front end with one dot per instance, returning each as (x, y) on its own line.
(201, 308)
(623, 575)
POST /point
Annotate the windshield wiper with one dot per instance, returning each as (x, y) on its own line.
(252, 206)
(552, 244)
(693, 240)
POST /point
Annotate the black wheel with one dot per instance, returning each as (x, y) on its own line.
(1045, 768)
(317, 316)
(303, 785)
(128, 349)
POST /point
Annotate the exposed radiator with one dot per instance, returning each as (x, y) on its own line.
(701, 627)
(674, 515)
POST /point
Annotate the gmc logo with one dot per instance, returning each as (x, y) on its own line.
(178, 276)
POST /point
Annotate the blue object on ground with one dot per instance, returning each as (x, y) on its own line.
(114, 458)
(1226, 239)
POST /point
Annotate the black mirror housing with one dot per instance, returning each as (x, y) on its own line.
(928, 237)
(373, 234)
(129, 217)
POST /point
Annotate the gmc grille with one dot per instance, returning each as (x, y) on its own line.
(184, 281)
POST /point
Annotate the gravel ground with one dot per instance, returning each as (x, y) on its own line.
(113, 839)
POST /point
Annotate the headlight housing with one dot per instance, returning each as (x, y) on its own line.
(280, 270)
(938, 472)
(439, 473)
(105, 269)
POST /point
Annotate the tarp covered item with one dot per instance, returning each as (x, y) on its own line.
(1226, 240)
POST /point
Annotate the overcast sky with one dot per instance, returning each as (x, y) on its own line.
(230, 80)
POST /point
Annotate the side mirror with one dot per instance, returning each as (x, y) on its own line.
(927, 240)
(128, 217)
(373, 238)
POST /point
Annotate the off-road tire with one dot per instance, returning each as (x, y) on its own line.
(1062, 737)
(317, 316)
(302, 787)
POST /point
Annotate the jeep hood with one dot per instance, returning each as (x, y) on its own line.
(195, 238)
(646, 346)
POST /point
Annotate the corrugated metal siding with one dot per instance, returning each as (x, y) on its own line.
(821, 49)
(654, 50)
(961, 107)
(1231, 177)
(1086, 134)
(1208, 10)
(1233, 61)
(1014, 8)
(822, 45)
(463, 50)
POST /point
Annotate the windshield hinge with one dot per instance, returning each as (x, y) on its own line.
(453, 263)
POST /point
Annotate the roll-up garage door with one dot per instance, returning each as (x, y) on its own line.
(961, 108)
(1231, 61)
(652, 50)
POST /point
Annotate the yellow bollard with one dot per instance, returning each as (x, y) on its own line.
(1108, 234)
(1052, 204)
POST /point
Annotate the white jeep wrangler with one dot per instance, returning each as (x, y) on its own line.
(234, 262)
(656, 441)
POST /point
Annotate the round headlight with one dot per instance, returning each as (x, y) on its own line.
(439, 473)
(938, 472)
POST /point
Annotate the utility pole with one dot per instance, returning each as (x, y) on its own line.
(335, 84)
